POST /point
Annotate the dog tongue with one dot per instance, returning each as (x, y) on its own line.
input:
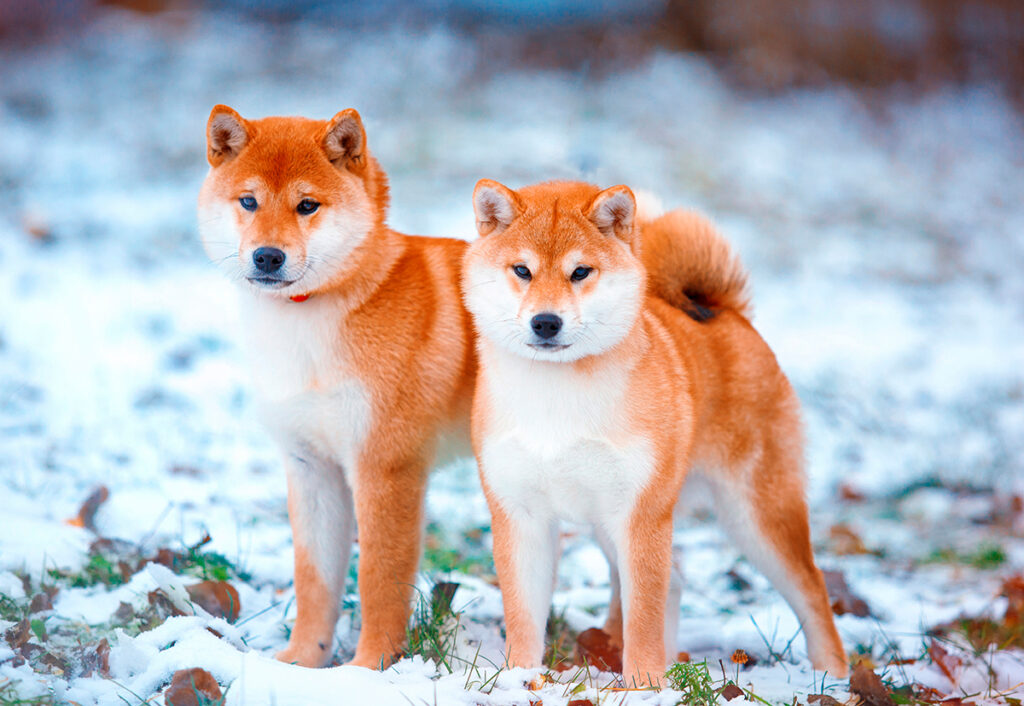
(299, 297)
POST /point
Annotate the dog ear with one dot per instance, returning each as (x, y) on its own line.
(227, 133)
(495, 206)
(613, 211)
(344, 140)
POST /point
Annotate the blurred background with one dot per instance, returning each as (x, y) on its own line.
(867, 160)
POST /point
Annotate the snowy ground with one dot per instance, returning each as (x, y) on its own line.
(886, 247)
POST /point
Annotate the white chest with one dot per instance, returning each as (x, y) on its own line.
(558, 440)
(307, 393)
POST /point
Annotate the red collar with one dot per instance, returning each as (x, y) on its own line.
(299, 298)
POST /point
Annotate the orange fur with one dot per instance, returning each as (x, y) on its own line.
(608, 428)
(358, 380)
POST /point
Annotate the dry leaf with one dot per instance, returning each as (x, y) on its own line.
(87, 513)
(595, 647)
(843, 599)
(867, 685)
(218, 598)
(188, 684)
(730, 692)
(822, 700)
(846, 542)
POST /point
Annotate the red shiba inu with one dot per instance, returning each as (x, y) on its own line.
(616, 359)
(362, 354)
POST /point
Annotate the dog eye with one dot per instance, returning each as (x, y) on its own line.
(580, 273)
(248, 203)
(522, 272)
(307, 206)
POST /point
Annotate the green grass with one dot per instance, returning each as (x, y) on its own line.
(986, 556)
(465, 553)
(434, 627)
(100, 569)
(694, 681)
(560, 641)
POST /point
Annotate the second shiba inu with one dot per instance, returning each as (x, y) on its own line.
(615, 361)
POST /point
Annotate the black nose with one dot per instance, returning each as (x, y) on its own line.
(268, 260)
(546, 325)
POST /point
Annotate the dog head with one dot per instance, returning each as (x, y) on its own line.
(555, 274)
(288, 201)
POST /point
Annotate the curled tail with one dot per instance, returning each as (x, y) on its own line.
(692, 267)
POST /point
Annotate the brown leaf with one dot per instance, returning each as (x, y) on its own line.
(1013, 590)
(846, 542)
(867, 685)
(218, 598)
(19, 634)
(596, 648)
(95, 659)
(441, 596)
(162, 604)
(40, 602)
(731, 691)
(124, 613)
(188, 684)
(822, 699)
(946, 662)
(87, 513)
(850, 494)
(843, 599)
(56, 664)
(580, 702)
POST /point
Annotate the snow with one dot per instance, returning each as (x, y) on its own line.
(885, 241)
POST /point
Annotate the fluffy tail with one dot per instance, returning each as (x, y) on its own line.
(691, 266)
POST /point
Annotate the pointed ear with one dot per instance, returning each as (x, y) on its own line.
(227, 133)
(495, 206)
(613, 211)
(344, 140)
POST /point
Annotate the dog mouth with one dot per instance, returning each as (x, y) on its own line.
(549, 347)
(270, 282)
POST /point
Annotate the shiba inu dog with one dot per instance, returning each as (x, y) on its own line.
(362, 355)
(616, 360)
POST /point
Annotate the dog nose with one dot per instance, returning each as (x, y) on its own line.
(268, 260)
(546, 325)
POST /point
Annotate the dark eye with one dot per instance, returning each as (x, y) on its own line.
(580, 273)
(522, 272)
(248, 203)
(307, 206)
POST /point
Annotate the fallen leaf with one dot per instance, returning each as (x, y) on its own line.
(868, 686)
(218, 598)
(162, 604)
(822, 699)
(95, 659)
(946, 662)
(595, 647)
(188, 684)
(730, 692)
(441, 596)
(19, 634)
(580, 702)
(846, 542)
(40, 602)
(850, 494)
(124, 613)
(843, 599)
(87, 513)
(1013, 591)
